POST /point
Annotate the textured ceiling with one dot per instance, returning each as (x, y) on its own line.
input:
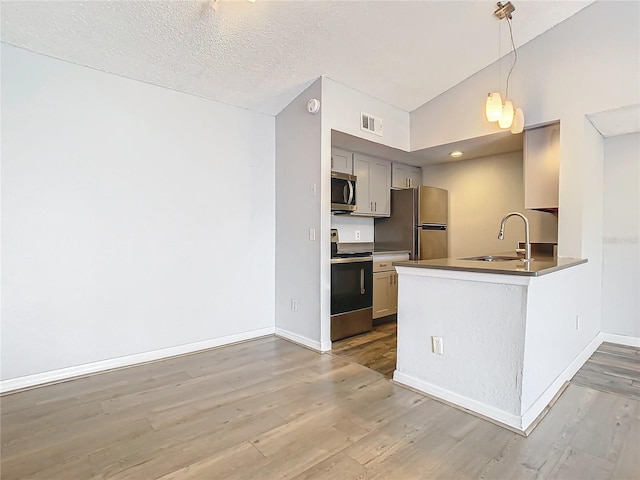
(260, 56)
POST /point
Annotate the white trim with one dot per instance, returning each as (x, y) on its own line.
(512, 420)
(299, 339)
(504, 279)
(326, 346)
(621, 339)
(127, 361)
(567, 374)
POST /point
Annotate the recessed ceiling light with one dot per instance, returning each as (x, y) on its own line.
(456, 153)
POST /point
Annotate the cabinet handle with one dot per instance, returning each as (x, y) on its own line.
(331, 162)
(375, 206)
(409, 182)
(362, 290)
(371, 206)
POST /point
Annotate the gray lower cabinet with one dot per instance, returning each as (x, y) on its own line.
(385, 284)
(385, 291)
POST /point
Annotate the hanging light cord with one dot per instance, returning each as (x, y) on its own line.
(515, 53)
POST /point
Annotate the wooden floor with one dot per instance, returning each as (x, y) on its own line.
(375, 350)
(612, 368)
(269, 409)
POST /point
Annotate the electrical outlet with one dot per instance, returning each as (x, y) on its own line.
(294, 305)
(312, 234)
(357, 234)
(437, 345)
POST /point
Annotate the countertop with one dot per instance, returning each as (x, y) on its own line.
(391, 252)
(535, 268)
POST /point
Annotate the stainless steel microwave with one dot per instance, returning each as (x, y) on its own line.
(343, 192)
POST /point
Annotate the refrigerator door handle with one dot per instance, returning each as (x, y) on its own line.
(433, 226)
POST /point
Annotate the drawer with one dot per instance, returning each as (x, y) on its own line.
(385, 263)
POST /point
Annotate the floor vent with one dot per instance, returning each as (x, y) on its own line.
(371, 124)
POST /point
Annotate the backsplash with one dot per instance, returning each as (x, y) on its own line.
(348, 226)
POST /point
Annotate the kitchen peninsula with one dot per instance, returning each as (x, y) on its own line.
(507, 333)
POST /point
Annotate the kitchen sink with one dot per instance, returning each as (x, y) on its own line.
(491, 258)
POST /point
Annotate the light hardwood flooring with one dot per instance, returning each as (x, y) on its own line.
(270, 409)
(612, 368)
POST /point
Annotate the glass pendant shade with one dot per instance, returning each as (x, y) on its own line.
(506, 119)
(518, 121)
(493, 109)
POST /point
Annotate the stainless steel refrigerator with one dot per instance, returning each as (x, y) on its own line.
(418, 223)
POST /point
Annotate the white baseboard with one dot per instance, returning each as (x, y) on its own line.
(531, 414)
(621, 339)
(126, 361)
(512, 420)
(299, 339)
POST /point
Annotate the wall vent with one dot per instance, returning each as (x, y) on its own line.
(371, 124)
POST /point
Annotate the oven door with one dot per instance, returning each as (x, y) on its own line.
(351, 284)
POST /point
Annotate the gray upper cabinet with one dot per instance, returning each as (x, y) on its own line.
(373, 186)
(341, 161)
(541, 158)
(405, 176)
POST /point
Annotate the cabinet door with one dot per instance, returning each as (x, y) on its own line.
(541, 154)
(414, 175)
(381, 294)
(405, 176)
(361, 169)
(399, 175)
(341, 161)
(393, 293)
(380, 187)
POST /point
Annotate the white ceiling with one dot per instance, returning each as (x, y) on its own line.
(619, 121)
(471, 148)
(260, 56)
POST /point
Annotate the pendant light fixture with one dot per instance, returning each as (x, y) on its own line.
(518, 121)
(493, 109)
(505, 113)
(506, 117)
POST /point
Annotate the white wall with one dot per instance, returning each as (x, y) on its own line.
(556, 344)
(343, 106)
(481, 192)
(341, 110)
(483, 336)
(298, 259)
(621, 249)
(134, 218)
(348, 225)
(508, 348)
(588, 63)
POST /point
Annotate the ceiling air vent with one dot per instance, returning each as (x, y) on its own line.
(371, 124)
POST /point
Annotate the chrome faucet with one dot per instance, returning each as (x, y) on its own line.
(527, 242)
